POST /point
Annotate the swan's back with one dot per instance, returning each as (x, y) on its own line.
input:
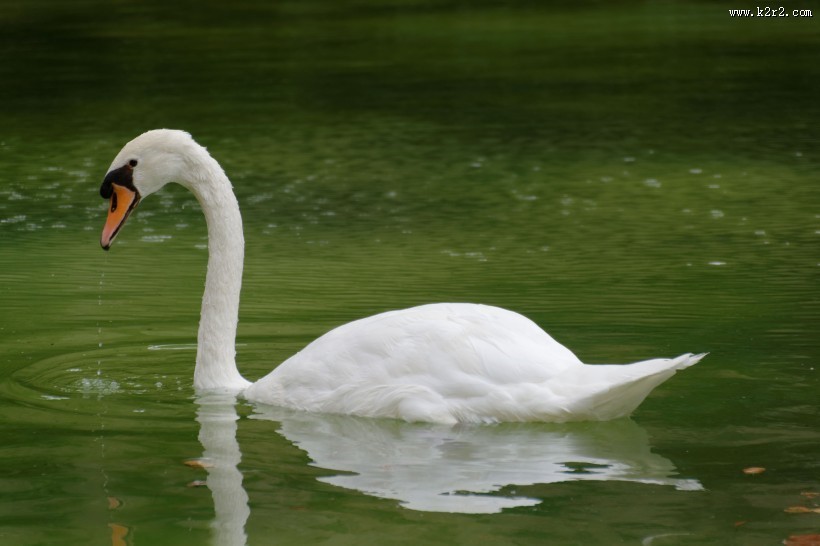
(447, 363)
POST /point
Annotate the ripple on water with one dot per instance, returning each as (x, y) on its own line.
(142, 380)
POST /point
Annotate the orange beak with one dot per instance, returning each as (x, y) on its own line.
(123, 201)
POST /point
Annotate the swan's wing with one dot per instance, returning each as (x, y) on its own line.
(456, 362)
(418, 363)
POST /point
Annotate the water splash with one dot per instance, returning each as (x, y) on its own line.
(100, 387)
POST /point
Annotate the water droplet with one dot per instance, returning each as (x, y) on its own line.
(156, 238)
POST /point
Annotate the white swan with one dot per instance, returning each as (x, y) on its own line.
(444, 362)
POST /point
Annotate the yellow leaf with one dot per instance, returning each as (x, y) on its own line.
(802, 540)
(118, 534)
(198, 463)
(797, 510)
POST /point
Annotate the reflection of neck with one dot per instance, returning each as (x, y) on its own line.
(215, 359)
(217, 434)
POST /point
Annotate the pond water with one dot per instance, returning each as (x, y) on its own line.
(640, 179)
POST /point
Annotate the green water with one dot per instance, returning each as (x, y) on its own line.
(638, 178)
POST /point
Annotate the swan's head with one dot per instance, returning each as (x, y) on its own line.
(142, 167)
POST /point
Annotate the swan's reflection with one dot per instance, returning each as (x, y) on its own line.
(217, 434)
(467, 469)
(454, 469)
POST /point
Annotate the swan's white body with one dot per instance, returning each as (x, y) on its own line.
(446, 362)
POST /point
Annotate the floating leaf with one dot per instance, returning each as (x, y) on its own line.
(198, 463)
(810, 494)
(798, 510)
(197, 483)
(118, 534)
(802, 540)
(114, 503)
(754, 470)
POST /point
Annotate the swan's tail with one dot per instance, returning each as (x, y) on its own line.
(689, 359)
(617, 390)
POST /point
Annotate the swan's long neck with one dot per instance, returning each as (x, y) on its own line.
(216, 352)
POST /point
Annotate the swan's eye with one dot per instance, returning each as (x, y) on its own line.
(133, 163)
